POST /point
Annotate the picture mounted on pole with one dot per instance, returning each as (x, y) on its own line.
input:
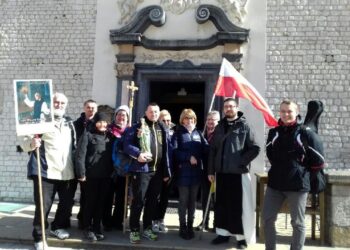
(34, 116)
(33, 106)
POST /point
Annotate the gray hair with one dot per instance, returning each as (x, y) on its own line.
(214, 113)
(61, 96)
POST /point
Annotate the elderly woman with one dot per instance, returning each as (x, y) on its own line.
(189, 149)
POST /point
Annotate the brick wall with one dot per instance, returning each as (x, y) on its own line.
(308, 57)
(51, 39)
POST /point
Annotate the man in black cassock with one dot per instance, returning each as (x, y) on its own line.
(232, 149)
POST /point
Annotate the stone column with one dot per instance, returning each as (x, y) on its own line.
(337, 224)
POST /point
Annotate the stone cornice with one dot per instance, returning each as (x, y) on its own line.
(155, 15)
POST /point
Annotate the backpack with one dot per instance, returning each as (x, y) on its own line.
(121, 161)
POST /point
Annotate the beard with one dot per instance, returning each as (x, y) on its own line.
(59, 113)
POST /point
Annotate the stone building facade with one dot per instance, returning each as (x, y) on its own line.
(295, 49)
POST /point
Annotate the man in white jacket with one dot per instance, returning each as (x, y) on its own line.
(57, 170)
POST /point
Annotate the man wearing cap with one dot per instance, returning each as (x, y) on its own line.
(57, 170)
(113, 220)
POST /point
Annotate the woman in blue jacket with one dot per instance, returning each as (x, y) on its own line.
(189, 148)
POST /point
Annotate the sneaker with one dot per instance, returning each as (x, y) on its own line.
(155, 226)
(149, 234)
(89, 235)
(162, 228)
(40, 245)
(59, 234)
(135, 237)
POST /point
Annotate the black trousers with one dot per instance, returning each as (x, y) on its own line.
(65, 191)
(81, 202)
(146, 189)
(114, 217)
(163, 201)
(95, 195)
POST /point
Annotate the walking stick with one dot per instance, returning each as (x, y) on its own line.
(41, 202)
(132, 89)
(125, 215)
(211, 191)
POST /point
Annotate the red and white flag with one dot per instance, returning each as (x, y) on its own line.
(231, 82)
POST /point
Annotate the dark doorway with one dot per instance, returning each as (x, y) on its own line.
(176, 96)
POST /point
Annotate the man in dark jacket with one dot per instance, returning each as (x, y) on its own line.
(84, 122)
(147, 173)
(288, 178)
(232, 149)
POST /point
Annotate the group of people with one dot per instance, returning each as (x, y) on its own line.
(164, 155)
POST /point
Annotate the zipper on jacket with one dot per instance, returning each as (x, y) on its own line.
(156, 143)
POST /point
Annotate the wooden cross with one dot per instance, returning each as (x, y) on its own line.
(132, 88)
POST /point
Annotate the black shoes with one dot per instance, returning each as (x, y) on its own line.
(241, 244)
(220, 239)
(183, 232)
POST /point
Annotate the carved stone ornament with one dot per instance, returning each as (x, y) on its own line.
(133, 32)
(235, 9)
(179, 6)
(127, 9)
(179, 56)
(125, 69)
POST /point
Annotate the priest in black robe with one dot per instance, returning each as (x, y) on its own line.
(232, 149)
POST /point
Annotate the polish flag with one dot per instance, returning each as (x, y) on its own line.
(231, 83)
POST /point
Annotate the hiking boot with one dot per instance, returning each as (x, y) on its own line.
(183, 232)
(59, 234)
(89, 235)
(149, 234)
(162, 227)
(190, 232)
(135, 237)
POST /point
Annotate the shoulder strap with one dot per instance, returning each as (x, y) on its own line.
(303, 137)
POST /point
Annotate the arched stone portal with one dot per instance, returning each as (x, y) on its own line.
(173, 79)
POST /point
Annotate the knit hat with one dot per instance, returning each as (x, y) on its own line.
(100, 116)
(122, 107)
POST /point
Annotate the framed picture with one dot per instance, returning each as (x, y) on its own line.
(33, 106)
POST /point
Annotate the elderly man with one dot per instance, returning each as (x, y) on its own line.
(213, 118)
(56, 158)
(148, 170)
